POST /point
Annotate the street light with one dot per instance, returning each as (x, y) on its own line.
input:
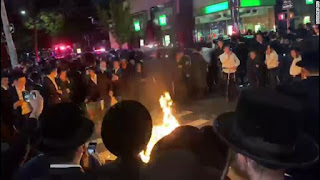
(23, 12)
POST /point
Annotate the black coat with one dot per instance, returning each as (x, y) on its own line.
(50, 94)
(117, 85)
(64, 85)
(307, 93)
(198, 70)
(100, 90)
(39, 168)
(252, 69)
(259, 48)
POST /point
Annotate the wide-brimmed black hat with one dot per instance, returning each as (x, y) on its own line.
(126, 128)
(310, 61)
(64, 126)
(265, 128)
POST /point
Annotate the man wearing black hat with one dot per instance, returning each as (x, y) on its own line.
(265, 134)
(126, 130)
(19, 103)
(99, 89)
(51, 91)
(64, 131)
(307, 93)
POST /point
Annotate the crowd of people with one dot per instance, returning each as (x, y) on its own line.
(49, 110)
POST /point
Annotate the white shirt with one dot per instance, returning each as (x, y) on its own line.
(294, 69)
(4, 87)
(228, 62)
(25, 108)
(54, 82)
(94, 79)
(272, 60)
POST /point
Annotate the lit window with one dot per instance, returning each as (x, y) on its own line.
(306, 19)
(309, 1)
(137, 26)
(163, 20)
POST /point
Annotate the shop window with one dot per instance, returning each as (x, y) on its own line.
(306, 19)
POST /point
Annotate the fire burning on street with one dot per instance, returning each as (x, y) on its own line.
(169, 123)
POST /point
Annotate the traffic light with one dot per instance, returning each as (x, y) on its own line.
(281, 16)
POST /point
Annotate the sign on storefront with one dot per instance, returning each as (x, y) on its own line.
(287, 4)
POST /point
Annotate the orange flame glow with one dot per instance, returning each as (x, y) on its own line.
(168, 125)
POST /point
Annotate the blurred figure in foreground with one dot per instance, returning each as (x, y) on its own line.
(259, 153)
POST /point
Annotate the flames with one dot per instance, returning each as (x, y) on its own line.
(168, 125)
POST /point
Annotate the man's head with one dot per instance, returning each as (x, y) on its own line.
(126, 129)
(252, 169)
(265, 133)
(226, 49)
(116, 65)
(19, 79)
(103, 65)
(259, 38)
(253, 55)
(65, 129)
(309, 64)
(295, 52)
(51, 69)
(4, 79)
(220, 43)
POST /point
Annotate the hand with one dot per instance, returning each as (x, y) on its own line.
(18, 104)
(111, 93)
(85, 158)
(257, 66)
(59, 91)
(115, 77)
(68, 90)
(36, 103)
(86, 101)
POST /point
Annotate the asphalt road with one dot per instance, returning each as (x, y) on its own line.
(198, 114)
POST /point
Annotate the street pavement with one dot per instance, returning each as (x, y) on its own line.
(198, 114)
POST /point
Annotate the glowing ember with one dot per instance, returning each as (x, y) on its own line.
(168, 125)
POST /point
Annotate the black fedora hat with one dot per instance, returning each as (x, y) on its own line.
(64, 126)
(265, 128)
(126, 128)
(310, 60)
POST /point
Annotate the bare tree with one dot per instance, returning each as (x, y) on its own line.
(9, 40)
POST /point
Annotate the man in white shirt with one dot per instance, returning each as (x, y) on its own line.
(295, 71)
(272, 63)
(229, 62)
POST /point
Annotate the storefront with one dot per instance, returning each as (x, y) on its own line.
(214, 21)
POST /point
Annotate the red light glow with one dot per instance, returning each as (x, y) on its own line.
(62, 47)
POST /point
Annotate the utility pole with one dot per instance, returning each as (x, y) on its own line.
(287, 5)
(235, 5)
(6, 28)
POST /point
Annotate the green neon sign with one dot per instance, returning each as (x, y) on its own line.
(255, 3)
(163, 20)
(137, 26)
(216, 7)
(309, 1)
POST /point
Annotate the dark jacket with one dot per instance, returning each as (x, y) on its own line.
(117, 85)
(252, 68)
(64, 85)
(198, 70)
(100, 90)
(51, 96)
(307, 93)
(39, 168)
(259, 48)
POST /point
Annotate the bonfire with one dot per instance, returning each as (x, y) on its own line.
(169, 123)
